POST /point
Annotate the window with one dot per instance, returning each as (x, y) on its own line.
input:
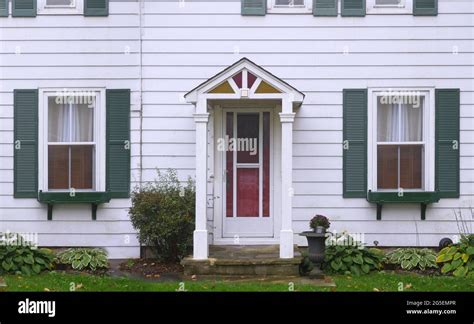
(54, 7)
(390, 3)
(73, 141)
(402, 142)
(289, 6)
(399, 145)
(389, 6)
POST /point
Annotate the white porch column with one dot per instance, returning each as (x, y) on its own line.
(200, 245)
(286, 234)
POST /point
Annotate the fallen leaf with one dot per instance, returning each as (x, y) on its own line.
(153, 264)
(148, 275)
(156, 276)
(193, 277)
(145, 264)
(408, 286)
(79, 286)
(46, 289)
(375, 289)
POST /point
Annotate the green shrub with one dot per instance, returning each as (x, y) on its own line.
(20, 257)
(352, 259)
(412, 258)
(163, 214)
(84, 258)
(458, 259)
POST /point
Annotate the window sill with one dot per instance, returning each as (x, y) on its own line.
(381, 197)
(420, 197)
(72, 11)
(54, 198)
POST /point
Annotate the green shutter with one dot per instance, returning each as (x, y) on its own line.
(447, 143)
(96, 7)
(355, 143)
(353, 8)
(24, 8)
(425, 7)
(3, 8)
(324, 7)
(254, 7)
(25, 143)
(118, 143)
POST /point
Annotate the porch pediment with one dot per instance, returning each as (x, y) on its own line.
(244, 80)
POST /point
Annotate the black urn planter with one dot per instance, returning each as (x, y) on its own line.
(316, 248)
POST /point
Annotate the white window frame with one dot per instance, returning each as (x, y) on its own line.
(99, 138)
(405, 8)
(273, 8)
(428, 176)
(76, 9)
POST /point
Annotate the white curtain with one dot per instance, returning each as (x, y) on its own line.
(411, 123)
(82, 124)
(387, 123)
(70, 122)
(399, 123)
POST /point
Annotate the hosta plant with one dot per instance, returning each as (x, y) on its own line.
(412, 258)
(84, 258)
(22, 258)
(458, 259)
(352, 259)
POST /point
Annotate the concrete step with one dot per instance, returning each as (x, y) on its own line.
(243, 260)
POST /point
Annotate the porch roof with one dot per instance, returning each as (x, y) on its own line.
(266, 84)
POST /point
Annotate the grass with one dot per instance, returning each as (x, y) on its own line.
(58, 281)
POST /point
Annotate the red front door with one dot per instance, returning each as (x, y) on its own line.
(248, 170)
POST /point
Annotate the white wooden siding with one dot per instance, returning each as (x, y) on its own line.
(69, 51)
(183, 46)
(320, 56)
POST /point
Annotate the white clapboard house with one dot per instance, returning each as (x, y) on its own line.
(360, 110)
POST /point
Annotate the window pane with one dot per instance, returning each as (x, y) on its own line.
(58, 121)
(266, 164)
(247, 193)
(387, 2)
(82, 123)
(411, 166)
(229, 167)
(247, 138)
(70, 122)
(58, 167)
(387, 167)
(387, 122)
(59, 2)
(411, 123)
(82, 166)
(289, 2)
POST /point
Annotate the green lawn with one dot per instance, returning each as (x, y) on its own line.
(57, 281)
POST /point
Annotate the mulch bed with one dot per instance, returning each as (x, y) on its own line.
(150, 268)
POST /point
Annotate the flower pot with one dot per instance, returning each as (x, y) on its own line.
(316, 248)
(320, 230)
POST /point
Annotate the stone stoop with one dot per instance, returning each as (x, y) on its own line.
(243, 260)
